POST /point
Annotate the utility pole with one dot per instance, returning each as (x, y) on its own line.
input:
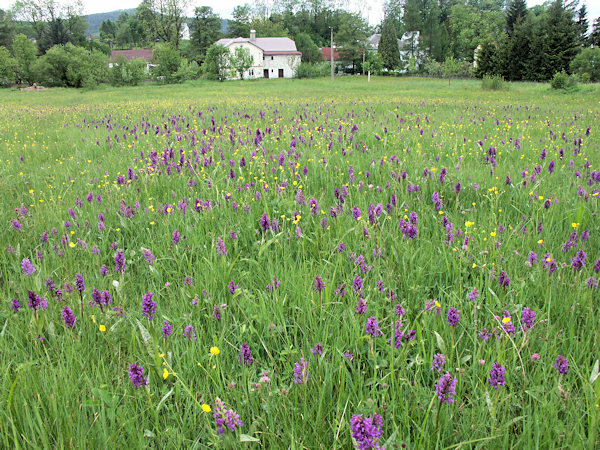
(331, 30)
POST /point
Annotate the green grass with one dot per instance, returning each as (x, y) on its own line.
(72, 389)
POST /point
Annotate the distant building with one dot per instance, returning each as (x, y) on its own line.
(326, 54)
(273, 57)
(142, 53)
(185, 32)
(408, 47)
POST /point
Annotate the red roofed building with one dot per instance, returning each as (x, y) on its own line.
(326, 54)
(144, 53)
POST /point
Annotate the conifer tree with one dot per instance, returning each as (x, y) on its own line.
(516, 11)
(388, 45)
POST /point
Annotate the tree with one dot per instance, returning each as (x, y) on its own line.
(108, 31)
(7, 29)
(53, 23)
(206, 30)
(163, 19)
(489, 59)
(352, 38)
(241, 61)
(582, 25)
(25, 53)
(71, 66)
(518, 49)
(388, 45)
(561, 40)
(268, 28)
(393, 10)
(588, 61)
(7, 67)
(308, 48)
(594, 38)
(517, 10)
(239, 26)
(216, 64)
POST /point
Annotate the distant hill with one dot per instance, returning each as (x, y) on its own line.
(94, 20)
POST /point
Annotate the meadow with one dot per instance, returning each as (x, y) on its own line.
(299, 264)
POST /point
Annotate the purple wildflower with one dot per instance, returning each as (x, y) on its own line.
(136, 375)
(176, 237)
(221, 249)
(245, 357)
(27, 267)
(224, 416)
(232, 287)
(189, 332)
(68, 317)
(562, 365)
(497, 375)
(361, 306)
(15, 305)
(372, 327)
(366, 431)
(319, 284)
(453, 317)
(120, 261)
(317, 349)
(438, 363)
(148, 306)
(446, 388)
(528, 318)
(150, 258)
(167, 329)
(301, 372)
(79, 282)
(474, 294)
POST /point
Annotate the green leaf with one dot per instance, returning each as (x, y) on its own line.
(247, 438)
(595, 372)
(163, 400)
(440, 342)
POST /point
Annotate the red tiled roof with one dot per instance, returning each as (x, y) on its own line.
(144, 53)
(326, 54)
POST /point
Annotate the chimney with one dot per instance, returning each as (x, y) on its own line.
(252, 35)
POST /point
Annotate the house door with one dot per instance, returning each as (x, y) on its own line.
(280, 73)
(266, 73)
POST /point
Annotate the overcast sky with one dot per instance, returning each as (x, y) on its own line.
(372, 9)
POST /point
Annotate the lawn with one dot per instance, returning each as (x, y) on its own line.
(300, 264)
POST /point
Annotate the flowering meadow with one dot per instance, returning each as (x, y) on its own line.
(296, 264)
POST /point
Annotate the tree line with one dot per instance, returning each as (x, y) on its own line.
(498, 37)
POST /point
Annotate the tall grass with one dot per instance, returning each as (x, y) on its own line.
(170, 158)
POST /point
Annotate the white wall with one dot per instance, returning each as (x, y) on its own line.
(257, 56)
(286, 62)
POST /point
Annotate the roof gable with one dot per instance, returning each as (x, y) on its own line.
(274, 45)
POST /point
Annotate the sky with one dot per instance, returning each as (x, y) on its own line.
(372, 9)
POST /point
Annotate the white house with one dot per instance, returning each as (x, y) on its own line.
(273, 57)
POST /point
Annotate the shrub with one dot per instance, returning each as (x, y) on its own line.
(587, 62)
(8, 66)
(493, 83)
(313, 70)
(562, 80)
(72, 66)
(168, 63)
(216, 64)
(128, 73)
